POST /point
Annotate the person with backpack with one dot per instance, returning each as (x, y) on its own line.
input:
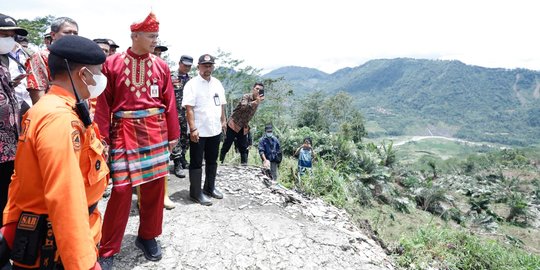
(270, 151)
(305, 157)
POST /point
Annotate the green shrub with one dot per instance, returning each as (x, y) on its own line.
(361, 194)
(428, 198)
(387, 154)
(401, 204)
(410, 182)
(519, 210)
(325, 182)
(536, 191)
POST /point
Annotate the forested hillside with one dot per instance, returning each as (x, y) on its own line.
(432, 97)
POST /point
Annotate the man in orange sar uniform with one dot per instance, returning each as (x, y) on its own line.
(60, 168)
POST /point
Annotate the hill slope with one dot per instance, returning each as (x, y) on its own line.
(433, 97)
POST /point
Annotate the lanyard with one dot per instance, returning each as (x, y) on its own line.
(16, 58)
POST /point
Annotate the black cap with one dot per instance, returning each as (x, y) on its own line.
(268, 127)
(102, 41)
(186, 60)
(112, 44)
(206, 59)
(78, 49)
(162, 48)
(8, 23)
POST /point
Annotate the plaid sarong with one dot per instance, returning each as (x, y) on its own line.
(140, 148)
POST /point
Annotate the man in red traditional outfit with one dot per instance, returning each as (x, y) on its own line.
(137, 116)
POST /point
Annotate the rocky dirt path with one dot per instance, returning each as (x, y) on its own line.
(258, 225)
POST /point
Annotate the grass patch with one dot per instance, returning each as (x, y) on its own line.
(528, 238)
(449, 248)
(391, 225)
(374, 127)
(441, 148)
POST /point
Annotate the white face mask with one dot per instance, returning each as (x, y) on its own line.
(6, 44)
(101, 83)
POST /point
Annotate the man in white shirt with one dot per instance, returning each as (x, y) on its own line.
(204, 100)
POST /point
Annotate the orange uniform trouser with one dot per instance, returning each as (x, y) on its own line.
(117, 214)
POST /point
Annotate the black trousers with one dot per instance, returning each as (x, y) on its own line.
(6, 170)
(241, 139)
(207, 147)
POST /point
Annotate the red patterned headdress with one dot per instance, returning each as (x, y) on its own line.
(150, 24)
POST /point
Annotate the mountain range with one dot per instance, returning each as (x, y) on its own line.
(407, 96)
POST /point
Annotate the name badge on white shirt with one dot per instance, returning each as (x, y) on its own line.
(216, 100)
(154, 91)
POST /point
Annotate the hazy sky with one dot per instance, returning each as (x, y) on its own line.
(327, 35)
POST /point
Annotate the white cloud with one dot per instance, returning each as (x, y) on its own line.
(327, 35)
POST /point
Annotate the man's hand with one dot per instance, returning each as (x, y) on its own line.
(172, 144)
(258, 99)
(224, 126)
(194, 136)
(266, 164)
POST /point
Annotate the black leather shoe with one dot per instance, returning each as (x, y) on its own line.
(214, 194)
(150, 248)
(106, 263)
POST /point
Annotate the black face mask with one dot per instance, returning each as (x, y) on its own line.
(81, 107)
